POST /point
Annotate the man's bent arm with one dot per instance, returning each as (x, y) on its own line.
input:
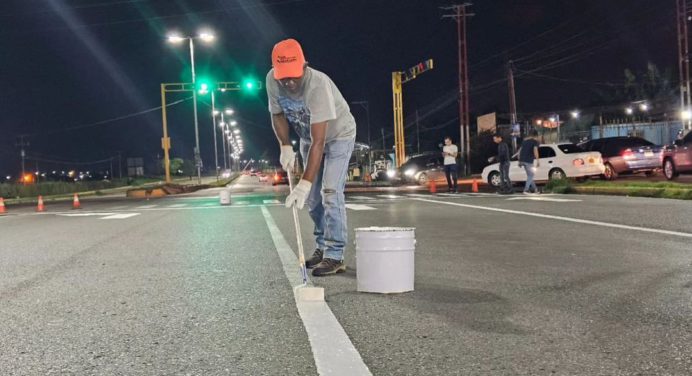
(280, 125)
(318, 134)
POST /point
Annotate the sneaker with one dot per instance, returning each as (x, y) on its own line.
(315, 259)
(328, 266)
(526, 192)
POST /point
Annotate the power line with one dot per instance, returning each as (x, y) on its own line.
(102, 122)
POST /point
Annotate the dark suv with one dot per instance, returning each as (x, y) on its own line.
(677, 158)
(423, 168)
(626, 155)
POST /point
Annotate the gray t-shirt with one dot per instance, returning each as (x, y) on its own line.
(318, 100)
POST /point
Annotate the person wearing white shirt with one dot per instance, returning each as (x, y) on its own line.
(449, 152)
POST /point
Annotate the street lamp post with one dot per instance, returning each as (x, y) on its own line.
(366, 106)
(207, 37)
(213, 121)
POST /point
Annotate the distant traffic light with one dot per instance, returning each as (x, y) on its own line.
(204, 86)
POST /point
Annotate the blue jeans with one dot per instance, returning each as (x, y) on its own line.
(529, 178)
(452, 176)
(505, 183)
(326, 202)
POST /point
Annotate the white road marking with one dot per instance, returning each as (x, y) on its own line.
(389, 196)
(271, 201)
(210, 204)
(361, 197)
(566, 219)
(176, 206)
(146, 207)
(118, 208)
(332, 350)
(539, 198)
(89, 214)
(359, 207)
(242, 202)
(418, 195)
(121, 216)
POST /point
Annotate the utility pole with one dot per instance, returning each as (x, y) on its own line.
(512, 98)
(460, 14)
(366, 106)
(683, 59)
(417, 132)
(21, 144)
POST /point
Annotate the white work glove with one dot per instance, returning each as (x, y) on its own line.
(287, 158)
(536, 163)
(299, 194)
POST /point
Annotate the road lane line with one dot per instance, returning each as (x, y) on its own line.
(332, 350)
(271, 201)
(146, 207)
(389, 196)
(359, 207)
(176, 206)
(118, 208)
(361, 197)
(540, 198)
(121, 216)
(566, 219)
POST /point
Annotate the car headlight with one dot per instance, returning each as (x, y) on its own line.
(391, 173)
(409, 172)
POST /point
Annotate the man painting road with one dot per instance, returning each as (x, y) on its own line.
(310, 102)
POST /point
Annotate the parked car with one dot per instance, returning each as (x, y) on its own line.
(557, 161)
(280, 177)
(626, 155)
(422, 168)
(677, 158)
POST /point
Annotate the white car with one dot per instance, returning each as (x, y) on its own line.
(557, 161)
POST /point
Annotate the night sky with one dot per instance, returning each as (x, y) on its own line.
(68, 68)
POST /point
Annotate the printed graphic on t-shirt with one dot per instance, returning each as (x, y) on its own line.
(297, 114)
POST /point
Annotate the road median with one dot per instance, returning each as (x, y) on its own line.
(635, 189)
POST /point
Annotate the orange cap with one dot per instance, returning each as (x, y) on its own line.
(288, 59)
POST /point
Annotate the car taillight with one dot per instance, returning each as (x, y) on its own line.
(628, 154)
(578, 162)
(276, 177)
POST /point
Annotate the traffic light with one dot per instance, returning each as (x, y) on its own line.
(204, 86)
(250, 85)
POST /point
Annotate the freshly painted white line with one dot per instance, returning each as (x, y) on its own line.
(359, 207)
(146, 207)
(210, 204)
(389, 196)
(361, 197)
(271, 201)
(176, 206)
(332, 350)
(540, 198)
(118, 208)
(418, 195)
(121, 216)
(566, 219)
(242, 202)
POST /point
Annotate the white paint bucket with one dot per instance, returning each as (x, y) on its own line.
(225, 197)
(385, 259)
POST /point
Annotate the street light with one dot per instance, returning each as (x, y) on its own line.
(575, 114)
(629, 110)
(176, 38)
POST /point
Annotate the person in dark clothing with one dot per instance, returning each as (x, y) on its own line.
(528, 158)
(503, 160)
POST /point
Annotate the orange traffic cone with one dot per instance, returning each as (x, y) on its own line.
(433, 187)
(40, 207)
(75, 202)
(2, 206)
(474, 186)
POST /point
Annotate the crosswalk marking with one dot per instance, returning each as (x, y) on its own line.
(121, 216)
(146, 207)
(359, 207)
(389, 196)
(361, 197)
(417, 195)
(177, 205)
(271, 201)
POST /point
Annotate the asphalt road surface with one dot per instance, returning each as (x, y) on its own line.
(504, 285)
